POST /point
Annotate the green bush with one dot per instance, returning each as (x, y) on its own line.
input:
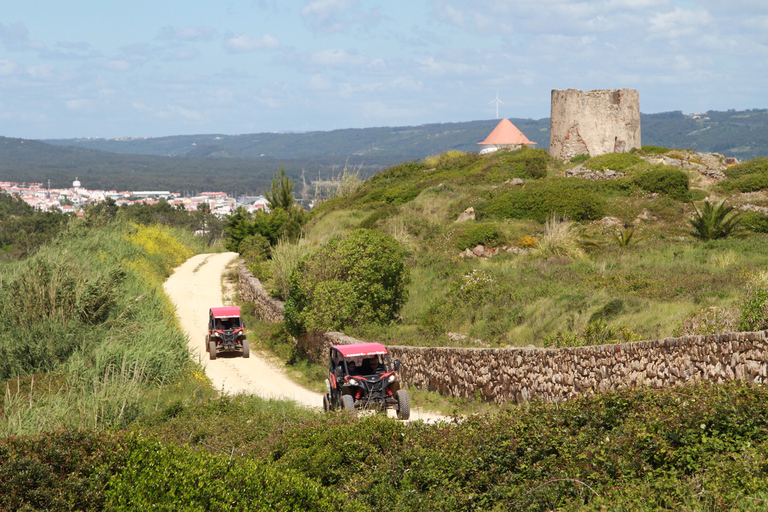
(754, 166)
(168, 477)
(747, 183)
(355, 279)
(664, 180)
(649, 150)
(566, 197)
(578, 159)
(522, 163)
(757, 222)
(614, 161)
(484, 233)
(754, 311)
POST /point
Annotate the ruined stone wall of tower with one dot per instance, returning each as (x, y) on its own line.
(594, 122)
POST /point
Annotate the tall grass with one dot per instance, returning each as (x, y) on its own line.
(285, 257)
(89, 308)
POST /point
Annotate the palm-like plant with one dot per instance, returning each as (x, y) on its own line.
(713, 222)
(625, 236)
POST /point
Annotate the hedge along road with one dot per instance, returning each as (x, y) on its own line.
(196, 286)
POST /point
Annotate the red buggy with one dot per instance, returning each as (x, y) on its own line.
(362, 377)
(226, 332)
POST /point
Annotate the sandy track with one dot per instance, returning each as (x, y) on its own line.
(194, 287)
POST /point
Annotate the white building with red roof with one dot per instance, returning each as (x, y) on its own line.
(505, 136)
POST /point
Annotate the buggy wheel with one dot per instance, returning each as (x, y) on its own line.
(212, 350)
(403, 404)
(348, 402)
(327, 403)
(246, 349)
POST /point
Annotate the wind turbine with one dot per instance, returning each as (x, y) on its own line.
(497, 101)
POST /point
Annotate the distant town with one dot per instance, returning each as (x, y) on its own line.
(74, 199)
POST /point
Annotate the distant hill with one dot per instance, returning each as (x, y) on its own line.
(742, 134)
(246, 163)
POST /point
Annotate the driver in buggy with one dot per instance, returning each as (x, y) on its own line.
(370, 366)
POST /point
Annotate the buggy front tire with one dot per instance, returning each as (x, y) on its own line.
(246, 349)
(326, 403)
(403, 405)
(212, 350)
(347, 402)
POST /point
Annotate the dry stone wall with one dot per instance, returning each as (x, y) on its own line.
(268, 308)
(522, 374)
(594, 122)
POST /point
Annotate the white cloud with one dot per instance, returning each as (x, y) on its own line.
(680, 23)
(44, 72)
(320, 83)
(80, 104)
(8, 67)
(328, 15)
(436, 67)
(337, 58)
(191, 115)
(204, 33)
(117, 65)
(243, 43)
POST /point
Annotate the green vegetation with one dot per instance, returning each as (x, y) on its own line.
(356, 279)
(713, 222)
(96, 414)
(81, 320)
(698, 447)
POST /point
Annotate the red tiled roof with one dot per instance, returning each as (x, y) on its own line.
(505, 133)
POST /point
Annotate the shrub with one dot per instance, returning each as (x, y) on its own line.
(523, 163)
(711, 320)
(485, 233)
(614, 161)
(711, 223)
(748, 183)
(363, 275)
(649, 150)
(594, 333)
(168, 477)
(538, 200)
(754, 166)
(754, 311)
(664, 180)
(757, 222)
(561, 238)
(579, 158)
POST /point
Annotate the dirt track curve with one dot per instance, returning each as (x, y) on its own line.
(196, 286)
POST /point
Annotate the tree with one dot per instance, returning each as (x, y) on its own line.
(280, 194)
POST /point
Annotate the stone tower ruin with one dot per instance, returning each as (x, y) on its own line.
(594, 122)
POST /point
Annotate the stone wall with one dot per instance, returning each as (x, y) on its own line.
(594, 122)
(251, 290)
(520, 374)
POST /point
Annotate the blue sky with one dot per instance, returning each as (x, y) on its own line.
(167, 67)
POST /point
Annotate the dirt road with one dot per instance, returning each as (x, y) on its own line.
(196, 286)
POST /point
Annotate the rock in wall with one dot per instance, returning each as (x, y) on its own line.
(594, 122)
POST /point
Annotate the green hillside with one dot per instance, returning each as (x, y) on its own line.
(104, 409)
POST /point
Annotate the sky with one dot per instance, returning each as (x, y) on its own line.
(143, 68)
